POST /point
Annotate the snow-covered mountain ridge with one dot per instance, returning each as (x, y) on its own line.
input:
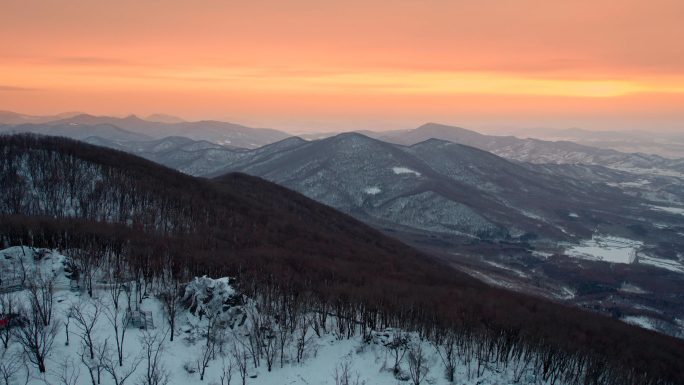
(162, 228)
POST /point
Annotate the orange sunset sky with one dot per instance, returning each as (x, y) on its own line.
(595, 64)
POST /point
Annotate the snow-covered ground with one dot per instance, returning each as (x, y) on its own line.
(640, 321)
(609, 249)
(369, 362)
(404, 170)
(651, 323)
(647, 171)
(673, 210)
(671, 265)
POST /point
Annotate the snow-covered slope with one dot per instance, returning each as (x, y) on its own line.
(436, 186)
(213, 324)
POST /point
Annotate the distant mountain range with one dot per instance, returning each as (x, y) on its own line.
(9, 117)
(527, 150)
(665, 144)
(434, 186)
(569, 146)
(164, 118)
(133, 128)
(533, 144)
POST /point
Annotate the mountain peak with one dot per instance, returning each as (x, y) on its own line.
(70, 114)
(441, 127)
(164, 118)
(132, 118)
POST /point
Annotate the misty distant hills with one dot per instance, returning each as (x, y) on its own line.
(164, 118)
(222, 133)
(665, 144)
(13, 118)
(135, 129)
(527, 150)
(572, 146)
(107, 131)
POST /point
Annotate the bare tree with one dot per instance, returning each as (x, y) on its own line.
(67, 373)
(448, 354)
(36, 338)
(240, 358)
(397, 347)
(221, 337)
(67, 315)
(269, 345)
(254, 343)
(11, 364)
(41, 292)
(227, 371)
(117, 278)
(8, 307)
(419, 363)
(204, 358)
(153, 353)
(86, 265)
(85, 316)
(117, 320)
(170, 294)
(91, 364)
(303, 339)
(343, 374)
(110, 363)
(283, 337)
(209, 348)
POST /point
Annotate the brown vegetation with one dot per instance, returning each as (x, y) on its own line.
(122, 210)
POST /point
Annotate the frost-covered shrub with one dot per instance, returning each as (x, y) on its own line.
(213, 297)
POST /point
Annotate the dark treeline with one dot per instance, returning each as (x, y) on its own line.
(148, 222)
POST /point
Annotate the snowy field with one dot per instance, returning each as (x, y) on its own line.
(325, 360)
(609, 249)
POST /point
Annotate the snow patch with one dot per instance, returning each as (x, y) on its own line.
(609, 249)
(404, 170)
(673, 210)
(632, 289)
(372, 190)
(640, 183)
(641, 321)
(662, 263)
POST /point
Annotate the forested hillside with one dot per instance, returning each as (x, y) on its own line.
(159, 225)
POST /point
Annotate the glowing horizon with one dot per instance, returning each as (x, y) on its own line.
(532, 62)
